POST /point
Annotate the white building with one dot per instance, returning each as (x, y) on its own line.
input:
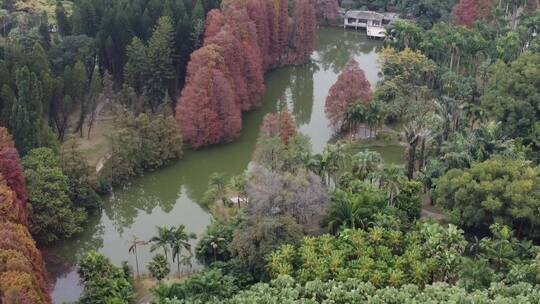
(374, 23)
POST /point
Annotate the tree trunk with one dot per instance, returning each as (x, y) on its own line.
(421, 159)
(137, 263)
(411, 161)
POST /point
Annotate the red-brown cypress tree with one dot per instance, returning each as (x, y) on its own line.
(214, 22)
(465, 12)
(327, 12)
(304, 32)
(28, 281)
(351, 87)
(11, 169)
(242, 41)
(207, 111)
(23, 278)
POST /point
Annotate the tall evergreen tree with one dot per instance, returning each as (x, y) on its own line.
(136, 66)
(79, 92)
(160, 62)
(197, 19)
(27, 111)
(64, 26)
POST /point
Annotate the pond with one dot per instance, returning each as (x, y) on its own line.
(170, 196)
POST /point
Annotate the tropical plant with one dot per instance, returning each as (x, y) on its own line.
(135, 241)
(162, 240)
(103, 282)
(179, 241)
(159, 267)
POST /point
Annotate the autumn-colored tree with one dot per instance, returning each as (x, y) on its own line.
(6, 141)
(465, 12)
(327, 12)
(214, 22)
(258, 11)
(304, 31)
(280, 124)
(12, 176)
(351, 87)
(287, 125)
(23, 278)
(10, 209)
(484, 9)
(207, 112)
(232, 51)
(226, 76)
(11, 169)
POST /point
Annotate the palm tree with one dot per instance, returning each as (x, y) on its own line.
(354, 116)
(218, 181)
(238, 184)
(186, 261)
(317, 163)
(135, 241)
(410, 136)
(353, 209)
(215, 242)
(366, 162)
(179, 241)
(335, 157)
(162, 240)
(428, 131)
(390, 180)
(342, 214)
(373, 116)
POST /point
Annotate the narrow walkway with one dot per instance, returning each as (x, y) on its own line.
(430, 211)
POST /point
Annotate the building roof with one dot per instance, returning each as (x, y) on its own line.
(369, 15)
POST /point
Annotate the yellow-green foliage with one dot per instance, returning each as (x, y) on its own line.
(38, 6)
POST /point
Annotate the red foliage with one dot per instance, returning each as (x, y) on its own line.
(532, 6)
(270, 125)
(351, 87)
(327, 12)
(484, 9)
(282, 25)
(210, 113)
(226, 76)
(232, 52)
(23, 278)
(12, 172)
(22, 274)
(11, 210)
(6, 141)
(280, 124)
(287, 125)
(304, 32)
(465, 12)
(259, 13)
(214, 22)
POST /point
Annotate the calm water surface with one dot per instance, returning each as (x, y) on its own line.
(170, 195)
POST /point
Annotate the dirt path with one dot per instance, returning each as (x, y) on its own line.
(101, 162)
(430, 211)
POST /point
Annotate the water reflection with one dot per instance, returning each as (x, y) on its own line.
(333, 56)
(170, 195)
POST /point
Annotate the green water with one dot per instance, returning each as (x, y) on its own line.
(169, 196)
